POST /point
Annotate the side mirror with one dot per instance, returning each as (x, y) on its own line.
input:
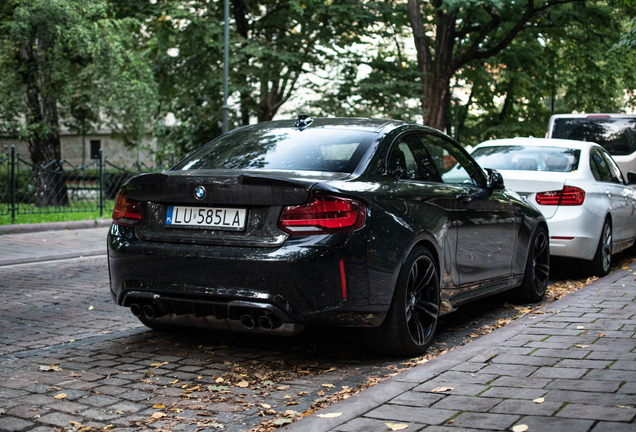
(631, 178)
(495, 180)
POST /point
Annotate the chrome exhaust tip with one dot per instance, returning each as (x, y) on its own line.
(248, 321)
(136, 310)
(149, 311)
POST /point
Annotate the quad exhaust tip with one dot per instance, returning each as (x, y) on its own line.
(136, 310)
(248, 321)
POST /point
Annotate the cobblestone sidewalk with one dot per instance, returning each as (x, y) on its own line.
(567, 367)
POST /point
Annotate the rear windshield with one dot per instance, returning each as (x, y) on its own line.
(528, 158)
(617, 135)
(330, 150)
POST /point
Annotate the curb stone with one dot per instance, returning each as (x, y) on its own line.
(54, 226)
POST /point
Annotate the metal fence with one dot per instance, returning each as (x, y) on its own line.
(59, 187)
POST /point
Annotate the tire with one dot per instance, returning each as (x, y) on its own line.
(603, 258)
(537, 273)
(410, 324)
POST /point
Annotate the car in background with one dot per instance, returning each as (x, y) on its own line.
(339, 221)
(578, 187)
(614, 132)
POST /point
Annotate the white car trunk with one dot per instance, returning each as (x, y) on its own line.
(526, 183)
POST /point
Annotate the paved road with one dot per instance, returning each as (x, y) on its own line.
(110, 370)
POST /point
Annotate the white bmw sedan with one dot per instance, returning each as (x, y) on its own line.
(578, 187)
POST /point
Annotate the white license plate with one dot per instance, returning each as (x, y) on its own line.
(229, 219)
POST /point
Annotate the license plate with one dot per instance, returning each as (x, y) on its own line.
(228, 219)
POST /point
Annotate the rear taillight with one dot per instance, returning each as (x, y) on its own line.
(569, 196)
(127, 212)
(323, 214)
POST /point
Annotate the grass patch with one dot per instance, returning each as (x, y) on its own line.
(52, 217)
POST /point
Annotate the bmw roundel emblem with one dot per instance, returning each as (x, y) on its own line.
(199, 192)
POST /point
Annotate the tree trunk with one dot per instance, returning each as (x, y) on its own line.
(43, 123)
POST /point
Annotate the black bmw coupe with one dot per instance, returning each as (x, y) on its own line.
(378, 224)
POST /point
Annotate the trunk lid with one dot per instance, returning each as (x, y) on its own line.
(261, 194)
(526, 184)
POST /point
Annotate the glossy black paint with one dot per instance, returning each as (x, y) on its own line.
(479, 238)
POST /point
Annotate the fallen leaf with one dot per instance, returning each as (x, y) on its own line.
(158, 415)
(158, 406)
(157, 365)
(539, 400)
(441, 389)
(578, 327)
(328, 385)
(243, 384)
(91, 308)
(581, 346)
(520, 428)
(2, 411)
(283, 387)
(266, 406)
(193, 389)
(217, 388)
(623, 406)
(625, 268)
(219, 380)
(60, 396)
(329, 415)
(291, 403)
(601, 335)
(282, 421)
(396, 426)
(175, 381)
(330, 369)
(51, 368)
(182, 354)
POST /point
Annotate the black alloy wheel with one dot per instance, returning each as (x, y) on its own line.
(535, 280)
(603, 258)
(410, 325)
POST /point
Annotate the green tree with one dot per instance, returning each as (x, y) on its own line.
(61, 57)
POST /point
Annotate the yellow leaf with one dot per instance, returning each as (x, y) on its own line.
(243, 384)
(623, 406)
(174, 382)
(539, 400)
(396, 426)
(328, 385)
(91, 308)
(60, 396)
(520, 428)
(266, 406)
(291, 403)
(601, 335)
(283, 387)
(158, 415)
(580, 327)
(219, 380)
(329, 415)
(441, 389)
(330, 369)
(158, 406)
(581, 346)
(625, 268)
(192, 389)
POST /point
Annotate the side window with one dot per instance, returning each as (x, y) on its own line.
(617, 176)
(600, 167)
(452, 163)
(408, 160)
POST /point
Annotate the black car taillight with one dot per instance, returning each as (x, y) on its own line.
(569, 196)
(323, 214)
(127, 212)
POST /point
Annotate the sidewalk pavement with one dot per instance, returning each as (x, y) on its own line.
(39, 243)
(569, 366)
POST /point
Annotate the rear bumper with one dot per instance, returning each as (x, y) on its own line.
(297, 283)
(582, 228)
